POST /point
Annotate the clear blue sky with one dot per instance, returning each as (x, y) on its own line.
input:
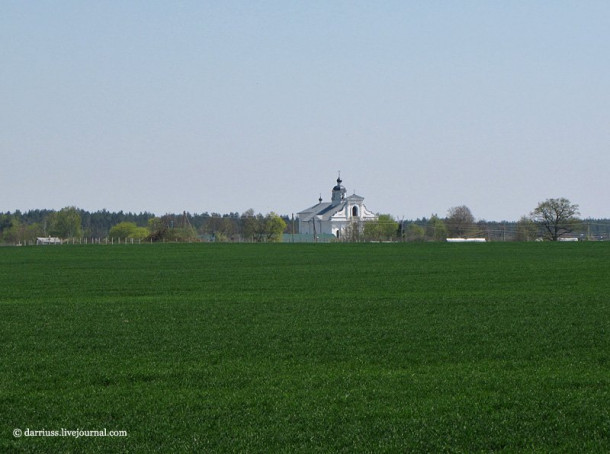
(228, 105)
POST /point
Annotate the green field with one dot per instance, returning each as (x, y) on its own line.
(304, 348)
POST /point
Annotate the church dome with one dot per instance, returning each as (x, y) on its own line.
(338, 193)
(339, 186)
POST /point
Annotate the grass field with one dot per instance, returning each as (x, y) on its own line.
(305, 348)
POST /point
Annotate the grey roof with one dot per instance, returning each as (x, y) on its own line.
(325, 210)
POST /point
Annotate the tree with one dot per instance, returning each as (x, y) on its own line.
(221, 228)
(460, 221)
(6, 221)
(261, 228)
(274, 227)
(20, 232)
(384, 228)
(165, 229)
(352, 233)
(415, 232)
(436, 230)
(123, 230)
(526, 229)
(66, 223)
(250, 225)
(157, 228)
(556, 217)
(140, 233)
(128, 230)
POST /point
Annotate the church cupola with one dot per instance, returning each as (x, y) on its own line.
(338, 194)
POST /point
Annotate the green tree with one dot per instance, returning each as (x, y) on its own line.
(140, 233)
(415, 233)
(385, 228)
(526, 229)
(436, 230)
(261, 228)
(19, 232)
(274, 227)
(66, 223)
(371, 231)
(6, 220)
(181, 234)
(123, 230)
(556, 217)
(129, 230)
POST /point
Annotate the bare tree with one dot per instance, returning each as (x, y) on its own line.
(556, 217)
(460, 221)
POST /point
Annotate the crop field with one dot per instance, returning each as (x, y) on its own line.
(306, 348)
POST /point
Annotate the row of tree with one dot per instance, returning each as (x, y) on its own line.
(71, 222)
(551, 219)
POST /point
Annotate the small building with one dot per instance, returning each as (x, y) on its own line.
(466, 240)
(48, 240)
(337, 216)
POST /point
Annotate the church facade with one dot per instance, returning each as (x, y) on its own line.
(337, 216)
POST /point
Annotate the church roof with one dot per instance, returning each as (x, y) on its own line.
(355, 198)
(324, 209)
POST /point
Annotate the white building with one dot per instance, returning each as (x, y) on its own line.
(336, 216)
(48, 240)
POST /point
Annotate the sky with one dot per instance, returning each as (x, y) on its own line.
(222, 106)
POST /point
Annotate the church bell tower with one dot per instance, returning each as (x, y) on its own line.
(338, 194)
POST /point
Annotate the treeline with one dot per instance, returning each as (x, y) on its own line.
(430, 229)
(550, 224)
(551, 220)
(71, 222)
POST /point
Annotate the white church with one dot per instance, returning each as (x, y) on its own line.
(336, 216)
